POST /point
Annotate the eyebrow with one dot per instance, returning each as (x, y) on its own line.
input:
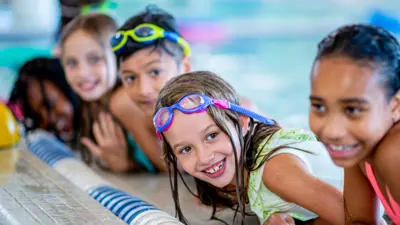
(146, 65)
(343, 101)
(127, 71)
(353, 100)
(94, 53)
(152, 62)
(203, 131)
(315, 98)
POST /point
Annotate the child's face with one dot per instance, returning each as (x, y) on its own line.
(202, 148)
(86, 68)
(349, 110)
(60, 114)
(145, 72)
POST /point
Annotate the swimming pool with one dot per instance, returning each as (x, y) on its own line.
(265, 49)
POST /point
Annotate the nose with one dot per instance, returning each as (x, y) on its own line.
(145, 87)
(83, 70)
(204, 156)
(334, 128)
(54, 117)
(61, 111)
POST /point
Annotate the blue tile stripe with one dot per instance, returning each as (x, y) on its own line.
(121, 203)
(50, 150)
(125, 206)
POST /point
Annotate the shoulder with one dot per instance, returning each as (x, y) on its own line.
(287, 140)
(121, 105)
(127, 113)
(387, 158)
(286, 136)
(387, 153)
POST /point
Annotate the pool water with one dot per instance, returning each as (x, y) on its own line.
(265, 49)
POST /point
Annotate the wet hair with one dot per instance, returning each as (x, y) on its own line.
(370, 45)
(87, 2)
(41, 69)
(153, 15)
(209, 84)
(71, 9)
(101, 27)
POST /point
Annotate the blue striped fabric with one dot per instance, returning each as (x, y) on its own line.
(120, 203)
(50, 150)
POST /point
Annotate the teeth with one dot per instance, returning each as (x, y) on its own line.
(87, 85)
(215, 168)
(341, 147)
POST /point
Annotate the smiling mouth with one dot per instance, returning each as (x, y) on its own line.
(216, 170)
(66, 136)
(342, 151)
(88, 85)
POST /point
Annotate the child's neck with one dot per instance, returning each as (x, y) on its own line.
(232, 185)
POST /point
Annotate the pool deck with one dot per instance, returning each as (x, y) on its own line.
(156, 190)
(36, 194)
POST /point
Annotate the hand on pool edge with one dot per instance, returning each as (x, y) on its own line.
(280, 219)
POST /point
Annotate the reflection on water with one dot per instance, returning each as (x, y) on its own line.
(8, 160)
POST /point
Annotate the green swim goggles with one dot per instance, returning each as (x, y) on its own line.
(104, 7)
(147, 34)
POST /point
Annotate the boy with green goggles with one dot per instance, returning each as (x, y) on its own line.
(147, 34)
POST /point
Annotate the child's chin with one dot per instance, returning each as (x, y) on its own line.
(220, 184)
(223, 182)
(346, 163)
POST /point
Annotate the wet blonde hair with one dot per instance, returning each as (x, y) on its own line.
(209, 84)
(101, 27)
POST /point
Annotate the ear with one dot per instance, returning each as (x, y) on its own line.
(186, 64)
(244, 122)
(395, 107)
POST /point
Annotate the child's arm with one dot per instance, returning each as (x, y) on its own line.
(134, 122)
(387, 161)
(288, 177)
(361, 203)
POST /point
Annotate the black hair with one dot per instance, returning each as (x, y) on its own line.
(154, 15)
(71, 9)
(41, 69)
(367, 44)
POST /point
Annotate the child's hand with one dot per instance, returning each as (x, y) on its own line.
(279, 219)
(111, 145)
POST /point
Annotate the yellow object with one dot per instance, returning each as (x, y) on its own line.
(9, 133)
(8, 160)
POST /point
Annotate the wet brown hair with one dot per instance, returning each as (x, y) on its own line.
(210, 84)
(101, 27)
